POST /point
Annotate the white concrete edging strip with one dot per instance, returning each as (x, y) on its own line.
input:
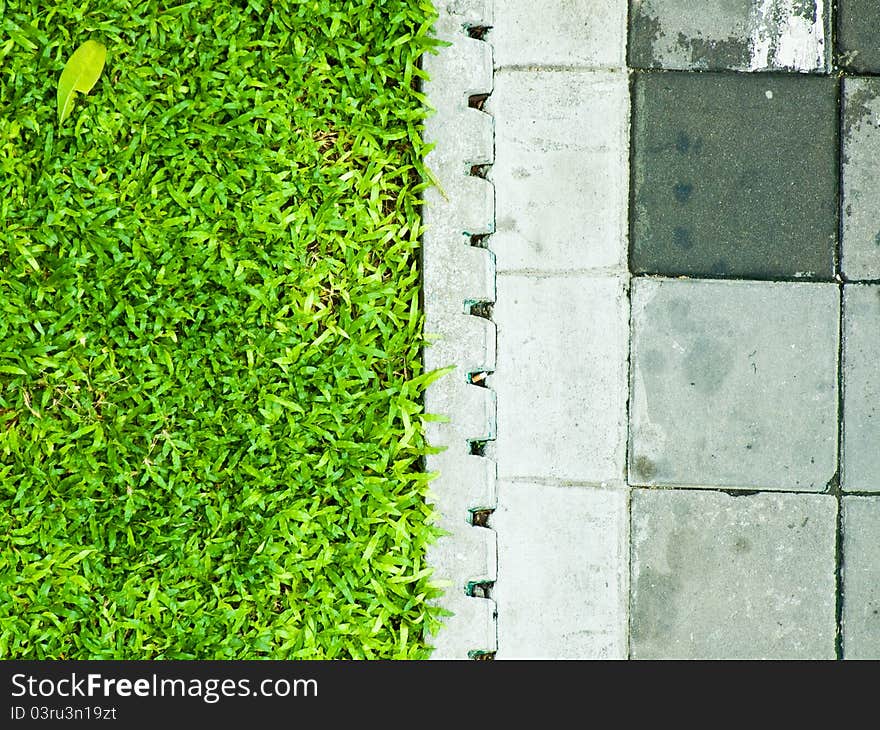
(561, 183)
(458, 275)
(561, 111)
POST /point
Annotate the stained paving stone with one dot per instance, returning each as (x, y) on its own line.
(861, 376)
(734, 384)
(742, 35)
(735, 175)
(721, 577)
(861, 184)
(858, 40)
(861, 578)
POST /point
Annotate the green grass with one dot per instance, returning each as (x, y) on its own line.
(210, 381)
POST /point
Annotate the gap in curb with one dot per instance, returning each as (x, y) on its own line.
(477, 101)
(480, 171)
(478, 448)
(481, 309)
(478, 32)
(479, 378)
(482, 656)
(480, 517)
(482, 589)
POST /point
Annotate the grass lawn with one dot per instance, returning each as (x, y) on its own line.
(210, 332)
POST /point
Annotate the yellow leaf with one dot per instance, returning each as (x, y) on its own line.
(81, 73)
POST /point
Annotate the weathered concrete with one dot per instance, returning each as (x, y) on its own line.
(456, 275)
(735, 175)
(587, 33)
(720, 577)
(562, 139)
(861, 378)
(861, 578)
(858, 41)
(562, 583)
(734, 384)
(743, 35)
(861, 184)
(561, 377)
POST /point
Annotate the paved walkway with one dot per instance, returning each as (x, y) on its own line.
(678, 452)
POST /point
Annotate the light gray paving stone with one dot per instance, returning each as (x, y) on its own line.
(861, 578)
(861, 388)
(734, 384)
(561, 377)
(743, 35)
(861, 184)
(721, 577)
(560, 169)
(561, 589)
(589, 33)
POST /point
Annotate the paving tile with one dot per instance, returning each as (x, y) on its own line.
(861, 184)
(858, 42)
(861, 377)
(861, 578)
(560, 173)
(735, 175)
(561, 589)
(561, 377)
(734, 384)
(586, 33)
(721, 577)
(743, 35)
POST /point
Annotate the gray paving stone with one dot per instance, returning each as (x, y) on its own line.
(586, 33)
(861, 378)
(734, 384)
(858, 42)
(743, 35)
(561, 377)
(562, 581)
(861, 184)
(735, 175)
(721, 577)
(861, 578)
(561, 187)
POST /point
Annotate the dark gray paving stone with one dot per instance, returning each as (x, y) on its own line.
(861, 183)
(861, 578)
(735, 175)
(743, 35)
(721, 577)
(734, 384)
(858, 35)
(861, 379)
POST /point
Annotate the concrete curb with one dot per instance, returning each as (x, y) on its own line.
(459, 287)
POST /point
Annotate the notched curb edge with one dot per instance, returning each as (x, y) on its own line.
(459, 290)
